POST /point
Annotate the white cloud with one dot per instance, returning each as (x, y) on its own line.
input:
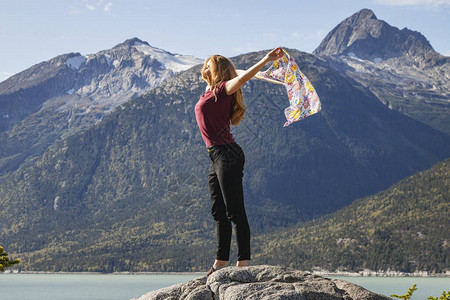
(91, 5)
(414, 2)
(108, 7)
(446, 53)
(74, 11)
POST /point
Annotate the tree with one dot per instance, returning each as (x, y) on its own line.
(5, 262)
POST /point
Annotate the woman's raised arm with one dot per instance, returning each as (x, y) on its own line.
(234, 84)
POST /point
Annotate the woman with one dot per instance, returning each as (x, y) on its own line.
(222, 104)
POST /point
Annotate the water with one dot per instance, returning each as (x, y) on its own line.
(124, 287)
(426, 286)
(83, 286)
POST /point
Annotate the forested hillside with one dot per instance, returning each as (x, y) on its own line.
(405, 228)
(131, 192)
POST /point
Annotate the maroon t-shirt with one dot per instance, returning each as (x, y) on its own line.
(213, 117)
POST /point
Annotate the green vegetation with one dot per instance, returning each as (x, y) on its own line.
(408, 294)
(445, 295)
(131, 194)
(5, 261)
(404, 228)
(400, 229)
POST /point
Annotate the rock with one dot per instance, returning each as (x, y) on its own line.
(399, 66)
(263, 283)
(364, 36)
(195, 289)
(74, 92)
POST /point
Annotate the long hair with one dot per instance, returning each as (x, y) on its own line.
(224, 70)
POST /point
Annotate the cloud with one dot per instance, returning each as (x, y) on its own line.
(434, 3)
(108, 7)
(92, 5)
(74, 11)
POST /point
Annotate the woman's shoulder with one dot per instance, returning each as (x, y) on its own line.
(221, 88)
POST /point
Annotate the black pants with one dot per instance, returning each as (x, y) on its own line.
(227, 197)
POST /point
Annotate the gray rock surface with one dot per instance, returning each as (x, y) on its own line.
(263, 283)
(399, 66)
(88, 86)
(370, 38)
(72, 92)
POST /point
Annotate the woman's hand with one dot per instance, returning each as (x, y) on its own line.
(274, 54)
(234, 84)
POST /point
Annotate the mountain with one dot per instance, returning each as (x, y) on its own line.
(399, 66)
(404, 228)
(364, 36)
(130, 193)
(72, 92)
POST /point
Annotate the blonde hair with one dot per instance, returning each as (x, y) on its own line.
(222, 69)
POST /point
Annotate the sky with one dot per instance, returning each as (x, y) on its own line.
(34, 31)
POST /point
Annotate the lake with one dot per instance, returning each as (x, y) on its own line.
(426, 286)
(124, 286)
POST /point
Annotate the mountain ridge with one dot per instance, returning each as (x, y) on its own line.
(396, 231)
(135, 183)
(365, 36)
(399, 66)
(72, 92)
(130, 192)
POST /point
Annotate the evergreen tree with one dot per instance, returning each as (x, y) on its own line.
(5, 262)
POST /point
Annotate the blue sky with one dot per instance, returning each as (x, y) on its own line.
(33, 31)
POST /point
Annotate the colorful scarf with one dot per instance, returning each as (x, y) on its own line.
(303, 98)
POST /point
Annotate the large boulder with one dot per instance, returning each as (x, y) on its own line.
(263, 283)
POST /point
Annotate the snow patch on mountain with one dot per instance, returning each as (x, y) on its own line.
(76, 61)
(354, 56)
(174, 62)
(89, 87)
(108, 58)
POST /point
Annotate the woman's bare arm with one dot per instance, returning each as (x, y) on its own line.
(234, 84)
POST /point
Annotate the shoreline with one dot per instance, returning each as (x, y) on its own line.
(323, 273)
(412, 275)
(100, 273)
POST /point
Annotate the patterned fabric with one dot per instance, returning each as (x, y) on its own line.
(303, 98)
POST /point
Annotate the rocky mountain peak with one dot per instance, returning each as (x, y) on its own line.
(77, 91)
(361, 16)
(364, 36)
(131, 42)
